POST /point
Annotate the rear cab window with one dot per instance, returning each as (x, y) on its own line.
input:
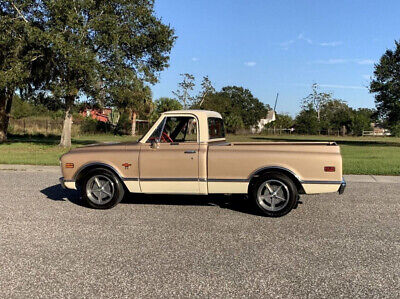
(216, 129)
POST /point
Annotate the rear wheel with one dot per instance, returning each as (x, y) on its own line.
(101, 189)
(274, 194)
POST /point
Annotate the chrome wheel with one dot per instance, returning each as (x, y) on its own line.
(100, 189)
(273, 195)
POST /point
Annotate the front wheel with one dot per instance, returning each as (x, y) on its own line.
(102, 189)
(274, 194)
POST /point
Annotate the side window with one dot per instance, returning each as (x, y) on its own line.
(176, 129)
(216, 128)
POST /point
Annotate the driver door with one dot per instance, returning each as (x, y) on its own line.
(171, 164)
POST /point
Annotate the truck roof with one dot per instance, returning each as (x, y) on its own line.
(198, 113)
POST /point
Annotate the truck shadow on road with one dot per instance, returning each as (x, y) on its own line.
(237, 203)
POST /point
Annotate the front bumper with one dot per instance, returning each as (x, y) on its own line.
(342, 187)
(67, 184)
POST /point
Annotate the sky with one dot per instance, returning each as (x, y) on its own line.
(280, 47)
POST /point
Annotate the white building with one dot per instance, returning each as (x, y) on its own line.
(261, 124)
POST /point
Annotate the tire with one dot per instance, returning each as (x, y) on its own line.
(284, 194)
(101, 189)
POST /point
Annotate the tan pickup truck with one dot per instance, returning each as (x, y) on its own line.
(185, 152)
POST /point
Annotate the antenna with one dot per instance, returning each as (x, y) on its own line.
(276, 101)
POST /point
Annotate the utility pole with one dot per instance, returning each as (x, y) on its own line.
(276, 101)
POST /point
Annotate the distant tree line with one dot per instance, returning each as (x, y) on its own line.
(321, 113)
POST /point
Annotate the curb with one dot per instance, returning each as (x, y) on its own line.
(30, 168)
(372, 179)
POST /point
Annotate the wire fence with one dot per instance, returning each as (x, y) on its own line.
(27, 126)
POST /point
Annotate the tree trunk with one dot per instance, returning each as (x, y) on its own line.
(133, 131)
(67, 126)
(6, 98)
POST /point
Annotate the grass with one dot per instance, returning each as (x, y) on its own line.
(361, 155)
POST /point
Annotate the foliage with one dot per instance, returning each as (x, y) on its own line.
(233, 123)
(316, 100)
(93, 126)
(24, 109)
(386, 86)
(85, 47)
(21, 57)
(334, 115)
(236, 102)
(361, 121)
(206, 89)
(124, 124)
(245, 104)
(284, 121)
(162, 105)
(183, 91)
(307, 121)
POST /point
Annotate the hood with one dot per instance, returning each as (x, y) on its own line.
(106, 146)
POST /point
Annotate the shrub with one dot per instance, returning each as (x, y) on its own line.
(93, 126)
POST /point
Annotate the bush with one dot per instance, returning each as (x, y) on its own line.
(233, 123)
(93, 126)
(306, 122)
(124, 125)
(395, 130)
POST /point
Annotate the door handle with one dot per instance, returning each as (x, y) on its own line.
(190, 152)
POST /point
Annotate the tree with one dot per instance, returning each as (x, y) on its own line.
(97, 45)
(335, 114)
(21, 56)
(167, 104)
(237, 105)
(183, 91)
(386, 86)
(162, 105)
(245, 104)
(317, 100)
(206, 89)
(233, 123)
(134, 98)
(362, 119)
(306, 121)
(284, 121)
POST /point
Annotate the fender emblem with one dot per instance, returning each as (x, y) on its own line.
(127, 165)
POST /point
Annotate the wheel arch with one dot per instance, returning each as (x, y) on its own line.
(84, 169)
(277, 169)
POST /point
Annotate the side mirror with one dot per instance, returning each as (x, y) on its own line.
(155, 144)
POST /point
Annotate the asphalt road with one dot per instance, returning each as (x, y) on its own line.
(181, 246)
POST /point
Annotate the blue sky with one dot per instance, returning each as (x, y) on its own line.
(280, 46)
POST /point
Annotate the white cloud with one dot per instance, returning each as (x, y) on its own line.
(342, 86)
(334, 86)
(302, 37)
(331, 61)
(285, 45)
(250, 63)
(365, 61)
(341, 60)
(195, 59)
(330, 44)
